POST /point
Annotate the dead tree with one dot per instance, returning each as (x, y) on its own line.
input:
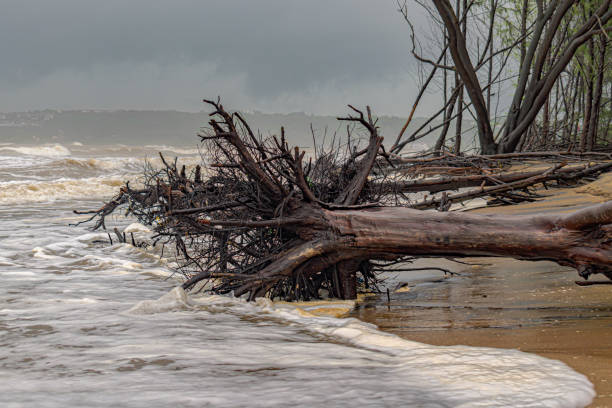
(261, 221)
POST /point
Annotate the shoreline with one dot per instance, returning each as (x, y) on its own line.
(535, 307)
(531, 306)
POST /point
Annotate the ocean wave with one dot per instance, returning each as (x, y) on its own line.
(89, 163)
(174, 149)
(102, 163)
(55, 162)
(128, 165)
(32, 168)
(18, 192)
(56, 150)
(457, 376)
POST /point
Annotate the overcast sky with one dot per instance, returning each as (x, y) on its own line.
(270, 55)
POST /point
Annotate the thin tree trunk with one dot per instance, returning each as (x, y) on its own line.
(524, 11)
(447, 115)
(580, 112)
(460, 105)
(546, 122)
(586, 122)
(464, 67)
(569, 126)
(459, 123)
(595, 108)
(490, 70)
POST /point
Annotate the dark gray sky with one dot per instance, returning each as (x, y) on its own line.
(270, 55)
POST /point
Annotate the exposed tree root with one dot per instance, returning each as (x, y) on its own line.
(261, 221)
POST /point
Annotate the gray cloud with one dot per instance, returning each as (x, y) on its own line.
(275, 55)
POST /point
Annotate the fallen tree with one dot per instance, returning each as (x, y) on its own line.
(260, 221)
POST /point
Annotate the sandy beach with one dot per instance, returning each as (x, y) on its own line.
(497, 302)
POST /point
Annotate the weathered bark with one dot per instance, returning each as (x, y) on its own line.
(347, 274)
(582, 240)
(435, 185)
(341, 238)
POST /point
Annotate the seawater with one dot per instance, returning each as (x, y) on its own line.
(87, 324)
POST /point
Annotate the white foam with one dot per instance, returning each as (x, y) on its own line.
(15, 192)
(174, 149)
(56, 150)
(6, 261)
(129, 164)
(39, 252)
(457, 376)
(91, 236)
(84, 300)
(176, 299)
(136, 227)
(115, 264)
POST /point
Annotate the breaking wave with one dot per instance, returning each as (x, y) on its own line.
(91, 163)
(15, 192)
(173, 149)
(56, 150)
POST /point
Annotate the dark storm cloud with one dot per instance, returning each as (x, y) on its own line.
(272, 53)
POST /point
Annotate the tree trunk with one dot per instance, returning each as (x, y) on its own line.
(492, 6)
(586, 122)
(447, 120)
(545, 122)
(524, 10)
(582, 239)
(577, 128)
(461, 104)
(347, 274)
(464, 67)
(570, 112)
(595, 108)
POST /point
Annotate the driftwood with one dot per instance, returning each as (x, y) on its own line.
(435, 185)
(261, 220)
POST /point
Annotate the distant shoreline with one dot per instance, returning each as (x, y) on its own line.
(171, 127)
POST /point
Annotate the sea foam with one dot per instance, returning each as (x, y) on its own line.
(457, 376)
(55, 150)
(17, 192)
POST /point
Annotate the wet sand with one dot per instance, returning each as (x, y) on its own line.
(531, 306)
